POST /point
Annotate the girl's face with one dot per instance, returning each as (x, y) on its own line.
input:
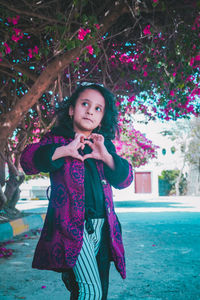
(88, 111)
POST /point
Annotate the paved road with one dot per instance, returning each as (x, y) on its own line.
(162, 243)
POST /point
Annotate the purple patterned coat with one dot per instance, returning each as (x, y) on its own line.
(60, 252)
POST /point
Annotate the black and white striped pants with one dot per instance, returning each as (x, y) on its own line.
(86, 269)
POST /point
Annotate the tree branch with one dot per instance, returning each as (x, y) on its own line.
(18, 68)
(30, 13)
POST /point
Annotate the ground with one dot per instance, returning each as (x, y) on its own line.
(162, 244)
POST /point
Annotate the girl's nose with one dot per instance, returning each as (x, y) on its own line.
(89, 111)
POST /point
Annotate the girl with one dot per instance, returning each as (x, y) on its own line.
(81, 232)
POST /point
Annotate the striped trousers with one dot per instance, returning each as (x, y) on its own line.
(86, 269)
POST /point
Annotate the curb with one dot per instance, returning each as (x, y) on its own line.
(13, 228)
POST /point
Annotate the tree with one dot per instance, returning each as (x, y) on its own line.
(193, 158)
(147, 52)
(186, 135)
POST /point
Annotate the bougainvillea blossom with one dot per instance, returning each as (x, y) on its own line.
(82, 33)
(90, 49)
(14, 20)
(7, 48)
(147, 30)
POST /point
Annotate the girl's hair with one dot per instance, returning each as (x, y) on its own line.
(109, 125)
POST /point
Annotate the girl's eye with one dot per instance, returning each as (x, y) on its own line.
(84, 103)
(98, 108)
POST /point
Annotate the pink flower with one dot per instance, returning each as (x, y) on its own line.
(17, 31)
(155, 1)
(18, 35)
(191, 61)
(147, 30)
(90, 49)
(0, 56)
(30, 53)
(7, 48)
(35, 49)
(174, 74)
(197, 58)
(97, 26)
(16, 38)
(135, 67)
(131, 99)
(82, 33)
(172, 93)
(145, 74)
(15, 20)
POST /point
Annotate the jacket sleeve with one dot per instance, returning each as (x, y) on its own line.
(122, 176)
(37, 157)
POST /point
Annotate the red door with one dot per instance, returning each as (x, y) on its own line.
(142, 182)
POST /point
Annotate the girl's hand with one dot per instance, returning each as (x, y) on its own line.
(71, 149)
(99, 150)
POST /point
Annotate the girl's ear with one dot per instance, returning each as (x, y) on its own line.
(71, 111)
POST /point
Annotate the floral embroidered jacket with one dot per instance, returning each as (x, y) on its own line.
(62, 234)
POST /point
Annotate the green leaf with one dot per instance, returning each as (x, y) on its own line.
(70, 45)
(172, 79)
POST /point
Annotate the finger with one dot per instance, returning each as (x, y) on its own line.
(88, 156)
(79, 157)
(96, 135)
(82, 139)
(80, 136)
(79, 145)
(82, 146)
(89, 143)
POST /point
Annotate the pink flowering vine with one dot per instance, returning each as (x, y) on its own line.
(172, 93)
(7, 48)
(18, 35)
(147, 30)
(90, 49)
(82, 33)
(30, 53)
(97, 26)
(145, 74)
(33, 51)
(133, 145)
(13, 20)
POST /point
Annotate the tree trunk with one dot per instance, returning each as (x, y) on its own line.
(2, 174)
(3, 198)
(12, 191)
(2, 162)
(178, 181)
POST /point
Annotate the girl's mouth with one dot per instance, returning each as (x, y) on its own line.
(88, 120)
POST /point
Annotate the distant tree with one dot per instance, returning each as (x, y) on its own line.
(171, 176)
(187, 138)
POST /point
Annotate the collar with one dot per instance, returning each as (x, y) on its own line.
(63, 131)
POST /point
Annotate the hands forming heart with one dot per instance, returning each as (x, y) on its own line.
(94, 141)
